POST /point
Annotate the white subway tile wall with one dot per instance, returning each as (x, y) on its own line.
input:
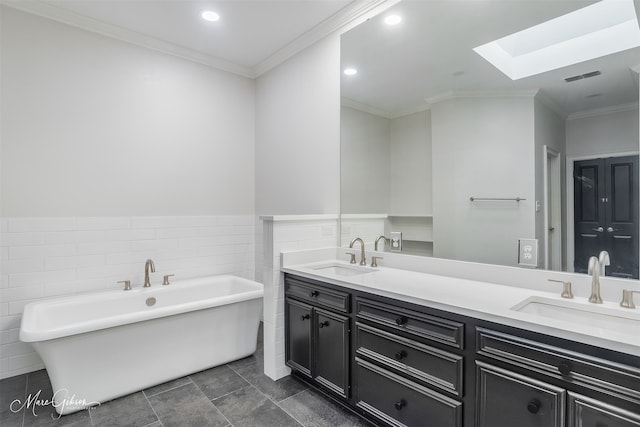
(44, 257)
(280, 236)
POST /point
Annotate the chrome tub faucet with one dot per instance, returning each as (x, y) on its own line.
(147, 265)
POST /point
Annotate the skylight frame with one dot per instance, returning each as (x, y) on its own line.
(621, 33)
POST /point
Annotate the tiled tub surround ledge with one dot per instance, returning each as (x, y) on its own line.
(44, 257)
(102, 345)
(481, 291)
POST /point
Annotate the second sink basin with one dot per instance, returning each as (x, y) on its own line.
(590, 315)
(343, 270)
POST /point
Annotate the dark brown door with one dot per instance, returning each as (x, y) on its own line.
(606, 213)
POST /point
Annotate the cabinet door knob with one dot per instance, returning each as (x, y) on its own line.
(304, 317)
(564, 368)
(534, 406)
(401, 355)
(400, 404)
(401, 320)
(314, 293)
(323, 324)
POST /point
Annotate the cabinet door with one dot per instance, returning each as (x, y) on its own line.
(507, 399)
(298, 336)
(332, 351)
(586, 412)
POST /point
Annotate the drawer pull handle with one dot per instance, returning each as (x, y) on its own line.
(534, 406)
(401, 355)
(314, 293)
(564, 368)
(323, 324)
(400, 404)
(304, 317)
(401, 320)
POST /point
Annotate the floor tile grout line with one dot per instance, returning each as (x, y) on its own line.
(210, 400)
(152, 408)
(169, 389)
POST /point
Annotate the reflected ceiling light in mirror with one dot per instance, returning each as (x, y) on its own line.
(209, 15)
(600, 29)
(350, 71)
(393, 19)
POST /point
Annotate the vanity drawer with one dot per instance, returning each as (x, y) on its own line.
(612, 378)
(507, 399)
(317, 295)
(435, 367)
(418, 324)
(399, 402)
(586, 412)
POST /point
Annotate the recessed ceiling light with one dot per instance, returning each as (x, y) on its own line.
(594, 31)
(392, 20)
(350, 71)
(210, 16)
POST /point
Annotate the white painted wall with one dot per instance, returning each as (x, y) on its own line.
(112, 154)
(364, 162)
(549, 131)
(603, 134)
(92, 126)
(475, 142)
(298, 133)
(410, 165)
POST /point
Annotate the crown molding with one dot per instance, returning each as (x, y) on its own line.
(445, 96)
(350, 16)
(603, 111)
(348, 102)
(68, 17)
(355, 13)
(550, 103)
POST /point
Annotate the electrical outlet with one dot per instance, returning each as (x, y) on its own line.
(396, 241)
(528, 252)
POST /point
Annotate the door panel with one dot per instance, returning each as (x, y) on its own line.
(332, 355)
(298, 346)
(606, 213)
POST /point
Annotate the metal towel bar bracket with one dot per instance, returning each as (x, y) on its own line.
(493, 199)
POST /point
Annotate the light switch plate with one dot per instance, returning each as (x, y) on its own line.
(528, 252)
(396, 241)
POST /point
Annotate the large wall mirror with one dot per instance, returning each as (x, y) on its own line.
(493, 163)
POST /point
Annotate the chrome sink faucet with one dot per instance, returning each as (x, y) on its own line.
(363, 260)
(147, 265)
(594, 270)
(375, 245)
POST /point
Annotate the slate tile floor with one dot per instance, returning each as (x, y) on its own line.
(237, 394)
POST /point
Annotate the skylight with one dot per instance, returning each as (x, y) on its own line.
(600, 29)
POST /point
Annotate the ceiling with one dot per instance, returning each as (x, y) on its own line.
(429, 55)
(250, 37)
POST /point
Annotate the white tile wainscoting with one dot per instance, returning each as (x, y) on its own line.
(44, 257)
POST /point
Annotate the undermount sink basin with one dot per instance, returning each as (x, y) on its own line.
(593, 316)
(343, 270)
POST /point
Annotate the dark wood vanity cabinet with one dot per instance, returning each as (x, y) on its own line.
(317, 334)
(409, 365)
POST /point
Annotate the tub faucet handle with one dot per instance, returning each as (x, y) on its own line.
(165, 280)
(127, 284)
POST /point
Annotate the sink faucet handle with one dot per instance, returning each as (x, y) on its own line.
(566, 288)
(165, 280)
(127, 284)
(627, 298)
(352, 260)
(374, 260)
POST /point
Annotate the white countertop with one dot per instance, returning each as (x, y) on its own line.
(482, 300)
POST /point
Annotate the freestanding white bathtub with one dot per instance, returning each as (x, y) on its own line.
(102, 345)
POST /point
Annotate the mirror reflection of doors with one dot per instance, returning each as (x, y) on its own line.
(606, 213)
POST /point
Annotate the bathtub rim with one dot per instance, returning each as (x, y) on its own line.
(30, 333)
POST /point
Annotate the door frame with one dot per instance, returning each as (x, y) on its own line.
(570, 232)
(552, 196)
